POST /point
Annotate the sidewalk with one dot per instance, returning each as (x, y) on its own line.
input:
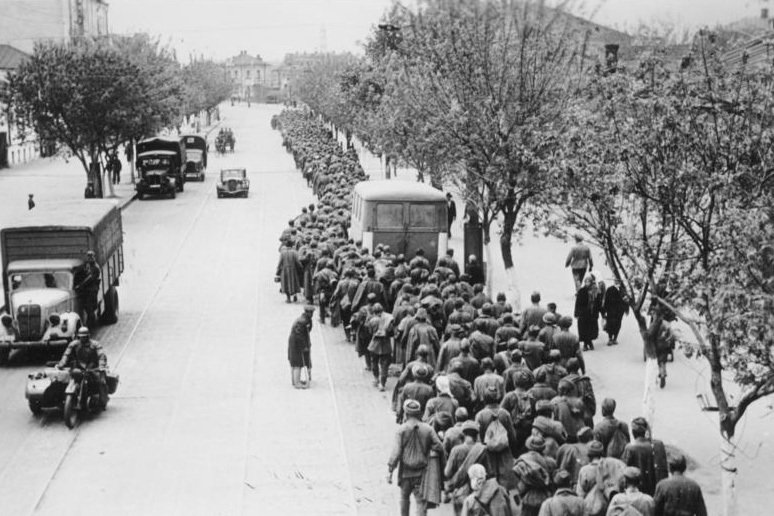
(51, 180)
(56, 179)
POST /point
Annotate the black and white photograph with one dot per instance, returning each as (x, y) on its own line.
(386, 257)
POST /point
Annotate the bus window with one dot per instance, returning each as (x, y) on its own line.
(389, 215)
(423, 215)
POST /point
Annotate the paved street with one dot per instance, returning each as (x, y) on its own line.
(205, 421)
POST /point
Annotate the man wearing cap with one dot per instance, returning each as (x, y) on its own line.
(554, 371)
(573, 456)
(486, 322)
(506, 332)
(370, 285)
(461, 389)
(381, 328)
(534, 472)
(546, 335)
(587, 476)
(631, 497)
(417, 389)
(579, 260)
(482, 345)
(469, 367)
(532, 349)
(422, 332)
(413, 443)
(363, 335)
(564, 502)
(451, 348)
(567, 343)
(649, 455)
(289, 270)
(461, 458)
(500, 461)
(87, 284)
(501, 306)
(453, 435)
(488, 378)
(678, 495)
(299, 345)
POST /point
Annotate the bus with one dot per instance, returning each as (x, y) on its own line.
(405, 215)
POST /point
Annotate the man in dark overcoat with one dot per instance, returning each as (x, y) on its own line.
(679, 494)
(299, 345)
(289, 272)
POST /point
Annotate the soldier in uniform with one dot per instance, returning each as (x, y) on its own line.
(87, 355)
(87, 285)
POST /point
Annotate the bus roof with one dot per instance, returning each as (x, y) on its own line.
(396, 190)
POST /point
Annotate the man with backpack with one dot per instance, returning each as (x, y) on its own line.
(488, 498)
(414, 441)
(612, 433)
(498, 435)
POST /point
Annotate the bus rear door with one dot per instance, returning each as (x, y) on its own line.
(425, 229)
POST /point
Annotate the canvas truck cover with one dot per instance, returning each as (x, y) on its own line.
(63, 230)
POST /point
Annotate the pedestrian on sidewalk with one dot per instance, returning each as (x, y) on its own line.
(451, 212)
(30, 203)
(579, 260)
(299, 345)
(114, 168)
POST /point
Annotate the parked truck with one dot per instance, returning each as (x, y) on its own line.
(43, 256)
(160, 167)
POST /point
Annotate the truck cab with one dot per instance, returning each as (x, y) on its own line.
(43, 299)
(160, 167)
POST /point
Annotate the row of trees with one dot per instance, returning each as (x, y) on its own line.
(91, 96)
(665, 164)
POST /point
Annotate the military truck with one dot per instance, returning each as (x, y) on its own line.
(160, 167)
(43, 256)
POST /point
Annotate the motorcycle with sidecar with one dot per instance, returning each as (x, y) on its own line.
(70, 390)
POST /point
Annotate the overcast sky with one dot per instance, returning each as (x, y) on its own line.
(272, 28)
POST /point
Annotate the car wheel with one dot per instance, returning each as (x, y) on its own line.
(4, 356)
(173, 193)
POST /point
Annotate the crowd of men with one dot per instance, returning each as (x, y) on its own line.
(496, 414)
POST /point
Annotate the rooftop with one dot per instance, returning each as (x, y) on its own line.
(11, 58)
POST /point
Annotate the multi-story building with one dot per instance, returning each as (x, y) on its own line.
(249, 75)
(15, 146)
(22, 25)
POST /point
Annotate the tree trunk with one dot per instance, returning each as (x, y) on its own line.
(649, 335)
(728, 475)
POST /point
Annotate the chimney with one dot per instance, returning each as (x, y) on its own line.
(764, 13)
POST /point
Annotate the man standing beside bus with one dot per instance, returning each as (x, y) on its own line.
(451, 211)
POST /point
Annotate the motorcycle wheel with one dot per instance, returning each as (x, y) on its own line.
(35, 407)
(71, 415)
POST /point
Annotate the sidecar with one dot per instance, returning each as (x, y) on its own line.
(46, 389)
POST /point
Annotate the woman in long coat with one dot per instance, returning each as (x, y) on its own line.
(613, 309)
(289, 272)
(588, 301)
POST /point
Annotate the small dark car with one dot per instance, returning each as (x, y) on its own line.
(233, 183)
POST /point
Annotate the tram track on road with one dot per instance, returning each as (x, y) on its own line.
(75, 433)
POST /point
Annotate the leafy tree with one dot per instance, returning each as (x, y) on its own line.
(92, 96)
(667, 170)
(207, 85)
(483, 85)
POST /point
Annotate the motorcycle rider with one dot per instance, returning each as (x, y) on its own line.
(86, 354)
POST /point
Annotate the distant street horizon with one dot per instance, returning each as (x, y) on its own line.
(219, 29)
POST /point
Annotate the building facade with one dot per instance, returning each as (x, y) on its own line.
(255, 79)
(15, 146)
(57, 21)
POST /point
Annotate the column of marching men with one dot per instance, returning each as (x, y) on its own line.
(496, 414)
